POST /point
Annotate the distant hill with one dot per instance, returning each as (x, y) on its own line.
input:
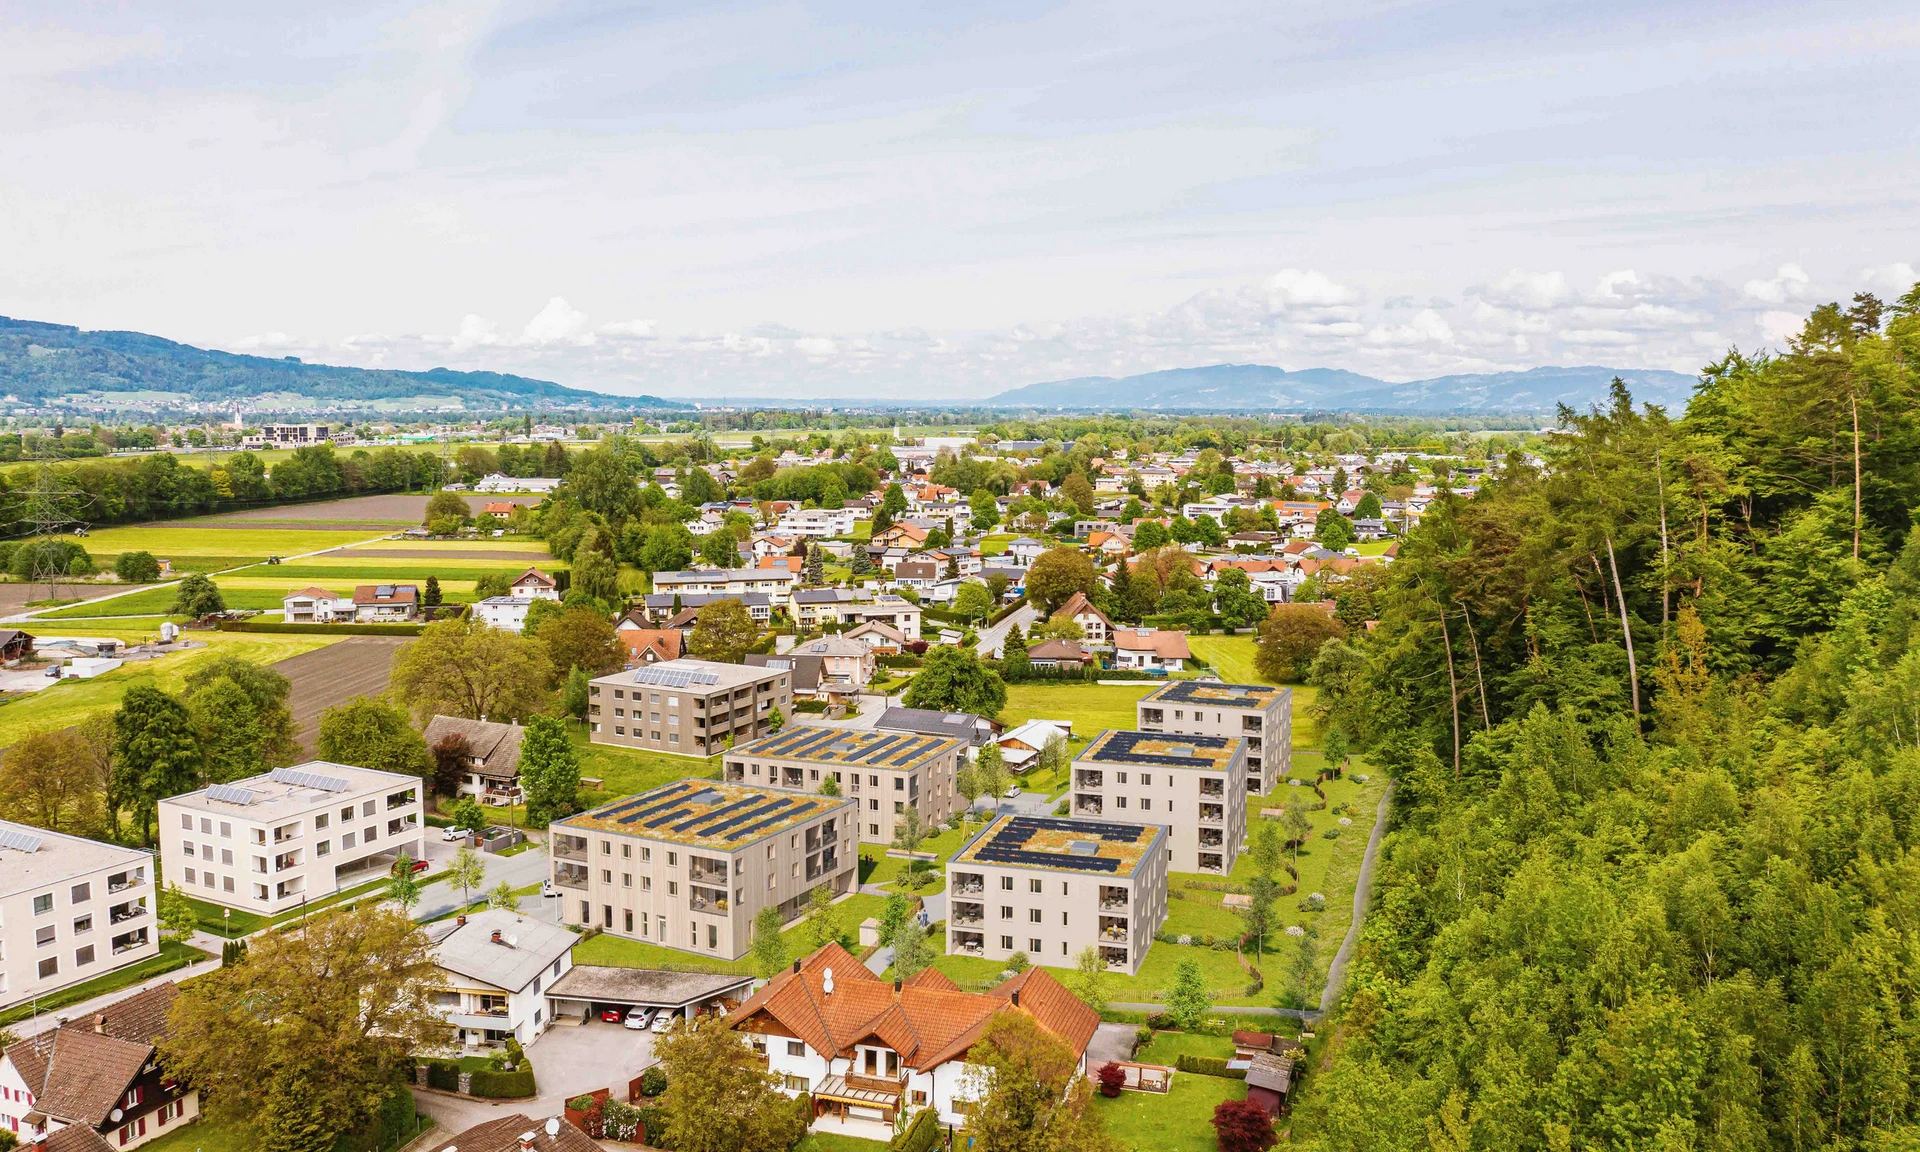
(40, 363)
(1259, 387)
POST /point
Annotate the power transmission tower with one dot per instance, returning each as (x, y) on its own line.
(49, 508)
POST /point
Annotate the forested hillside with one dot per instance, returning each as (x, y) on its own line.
(1654, 717)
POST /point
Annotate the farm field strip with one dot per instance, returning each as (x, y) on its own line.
(352, 666)
(172, 542)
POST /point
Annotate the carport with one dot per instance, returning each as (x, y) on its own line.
(584, 990)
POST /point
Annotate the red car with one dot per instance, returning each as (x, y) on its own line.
(611, 1015)
(418, 866)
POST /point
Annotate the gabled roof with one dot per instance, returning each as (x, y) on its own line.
(495, 746)
(79, 1071)
(527, 947)
(394, 594)
(664, 643)
(73, 1138)
(534, 576)
(318, 593)
(1078, 605)
(833, 646)
(503, 1135)
(1162, 643)
(876, 628)
(1058, 650)
(927, 1020)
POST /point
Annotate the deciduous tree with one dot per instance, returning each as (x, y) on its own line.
(583, 639)
(1056, 575)
(724, 631)
(368, 732)
(50, 780)
(464, 668)
(720, 1097)
(1290, 639)
(769, 950)
(156, 754)
(549, 769)
(1188, 1000)
(955, 680)
(1030, 1096)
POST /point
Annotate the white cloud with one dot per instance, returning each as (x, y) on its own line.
(1597, 338)
(1789, 283)
(1780, 327)
(1427, 327)
(628, 329)
(265, 341)
(816, 346)
(559, 322)
(1293, 288)
(476, 330)
(1892, 278)
(1521, 289)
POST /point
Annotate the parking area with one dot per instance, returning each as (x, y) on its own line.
(608, 996)
(568, 1060)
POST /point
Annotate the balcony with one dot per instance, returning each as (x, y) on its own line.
(121, 881)
(1088, 806)
(285, 861)
(402, 827)
(1115, 899)
(1113, 929)
(1087, 778)
(1212, 862)
(968, 884)
(568, 876)
(131, 910)
(400, 799)
(709, 900)
(1214, 788)
(968, 943)
(128, 941)
(701, 870)
(1211, 837)
(792, 778)
(289, 832)
(1213, 813)
(966, 913)
(736, 773)
(569, 848)
(1114, 958)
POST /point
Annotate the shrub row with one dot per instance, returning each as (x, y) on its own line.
(923, 1133)
(493, 1085)
(1209, 1066)
(444, 1074)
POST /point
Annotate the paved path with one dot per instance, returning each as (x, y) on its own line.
(1362, 892)
(529, 867)
(994, 636)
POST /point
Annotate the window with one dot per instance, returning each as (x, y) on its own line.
(606, 875)
(899, 784)
(627, 851)
(44, 936)
(43, 903)
(1119, 801)
(646, 854)
(1033, 885)
(1006, 911)
(83, 925)
(713, 936)
(346, 841)
(1033, 945)
(673, 859)
(189, 875)
(186, 821)
(673, 888)
(320, 822)
(606, 911)
(83, 957)
(1033, 915)
(226, 856)
(795, 1083)
(206, 878)
(646, 883)
(626, 879)
(226, 883)
(187, 849)
(346, 815)
(628, 913)
(206, 825)
(1146, 779)
(1006, 942)
(49, 967)
(320, 849)
(1145, 803)
(1006, 883)
(796, 1048)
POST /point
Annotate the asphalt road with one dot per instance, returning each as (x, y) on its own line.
(993, 637)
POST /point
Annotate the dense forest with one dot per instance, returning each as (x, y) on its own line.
(1653, 714)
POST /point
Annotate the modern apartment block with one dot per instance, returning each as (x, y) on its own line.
(268, 843)
(884, 773)
(1194, 786)
(1260, 714)
(1049, 887)
(688, 865)
(686, 706)
(70, 909)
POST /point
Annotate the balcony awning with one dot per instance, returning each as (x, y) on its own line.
(837, 1088)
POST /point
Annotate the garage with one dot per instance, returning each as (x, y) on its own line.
(586, 992)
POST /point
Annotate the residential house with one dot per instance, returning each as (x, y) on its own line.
(1066, 655)
(386, 603)
(1051, 887)
(864, 1049)
(916, 574)
(490, 759)
(492, 970)
(70, 909)
(516, 1133)
(315, 605)
(685, 706)
(1025, 550)
(507, 613)
(894, 611)
(663, 606)
(774, 583)
(900, 535)
(96, 1074)
(500, 508)
(1110, 544)
(1150, 648)
(1094, 624)
(883, 639)
(1370, 528)
(815, 523)
(269, 843)
(1021, 746)
(688, 865)
(845, 665)
(884, 773)
(1194, 786)
(650, 645)
(976, 731)
(538, 485)
(814, 607)
(534, 584)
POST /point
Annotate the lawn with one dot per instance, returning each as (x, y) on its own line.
(619, 952)
(215, 918)
(1091, 707)
(630, 770)
(205, 1136)
(996, 543)
(835, 1142)
(71, 701)
(1230, 656)
(174, 542)
(876, 867)
(1167, 1047)
(1178, 1120)
(172, 956)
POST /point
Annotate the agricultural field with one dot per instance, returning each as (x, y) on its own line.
(1091, 707)
(324, 677)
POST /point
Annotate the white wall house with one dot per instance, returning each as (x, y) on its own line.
(493, 970)
(70, 909)
(507, 613)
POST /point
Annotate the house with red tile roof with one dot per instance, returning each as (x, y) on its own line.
(649, 645)
(1150, 648)
(1094, 624)
(865, 1048)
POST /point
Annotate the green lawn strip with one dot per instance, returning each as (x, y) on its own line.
(619, 952)
(1330, 867)
(996, 543)
(1230, 656)
(173, 956)
(1091, 707)
(214, 918)
(205, 1136)
(480, 904)
(1167, 1047)
(626, 771)
(835, 1142)
(178, 541)
(1178, 1120)
(414, 571)
(862, 530)
(1221, 972)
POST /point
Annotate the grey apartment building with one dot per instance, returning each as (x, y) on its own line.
(885, 773)
(686, 706)
(1260, 714)
(688, 865)
(1050, 887)
(1193, 786)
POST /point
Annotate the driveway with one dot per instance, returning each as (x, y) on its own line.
(1110, 1043)
(568, 1060)
(993, 637)
(529, 867)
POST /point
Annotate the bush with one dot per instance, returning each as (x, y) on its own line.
(444, 1074)
(654, 1123)
(1209, 1066)
(923, 1133)
(653, 1082)
(502, 1085)
(137, 567)
(1243, 1126)
(620, 1121)
(1112, 1079)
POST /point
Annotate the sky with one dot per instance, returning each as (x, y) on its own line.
(905, 200)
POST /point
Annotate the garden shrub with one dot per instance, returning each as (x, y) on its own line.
(1209, 1066)
(653, 1082)
(501, 1085)
(923, 1133)
(444, 1074)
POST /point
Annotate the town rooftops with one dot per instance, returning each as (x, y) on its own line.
(833, 646)
(386, 594)
(34, 857)
(78, 1072)
(286, 792)
(1161, 750)
(659, 600)
(867, 748)
(701, 677)
(927, 722)
(707, 813)
(823, 596)
(1225, 695)
(723, 575)
(526, 947)
(313, 592)
(1062, 845)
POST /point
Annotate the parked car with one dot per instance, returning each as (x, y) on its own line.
(416, 866)
(610, 1015)
(547, 888)
(454, 834)
(664, 1020)
(637, 1019)
(1012, 792)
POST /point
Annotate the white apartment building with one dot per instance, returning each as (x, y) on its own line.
(1050, 887)
(267, 843)
(688, 865)
(1260, 714)
(507, 613)
(1194, 786)
(815, 523)
(494, 968)
(777, 584)
(884, 773)
(70, 909)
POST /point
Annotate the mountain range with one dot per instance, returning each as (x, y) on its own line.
(1260, 387)
(44, 363)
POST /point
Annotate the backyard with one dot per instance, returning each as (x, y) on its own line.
(1178, 1120)
(620, 952)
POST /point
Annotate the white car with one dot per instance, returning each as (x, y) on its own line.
(664, 1020)
(637, 1019)
(1011, 792)
(451, 834)
(547, 888)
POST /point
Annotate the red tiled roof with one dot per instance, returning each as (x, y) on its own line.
(315, 592)
(503, 1135)
(79, 1071)
(534, 576)
(401, 594)
(664, 643)
(1162, 643)
(1078, 604)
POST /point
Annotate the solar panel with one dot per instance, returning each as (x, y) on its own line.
(671, 797)
(301, 779)
(227, 793)
(770, 808)
(777, 817)
(19, 841)
(673, 677)
(715, 813)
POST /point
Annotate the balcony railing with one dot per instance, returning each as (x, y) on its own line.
(1210, 837)
(570, 877)
(126, 912)
(565, 849)
(1212, 788)
(129, 942)
(968, 913)
(122, 883)
(1213, 813)
(714, 904)
(1088, 806)
(1115, 904)
(704, 871)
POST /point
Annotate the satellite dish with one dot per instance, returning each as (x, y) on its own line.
(115, 1114)
(826, 981)
(553, 1126)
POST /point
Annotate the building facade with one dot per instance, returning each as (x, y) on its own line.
(686, 706)
(1260, 714)
(884, 773)
(1051, 887)
(494, 968)
(1194, 786)
(688, 865)
(269, 843)
(70, 909)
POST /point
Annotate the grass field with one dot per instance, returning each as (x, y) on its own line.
(1179, 1120)
(1230, 656)
(619, 952)
(174, 542)
(1091, 707)
(71, 701)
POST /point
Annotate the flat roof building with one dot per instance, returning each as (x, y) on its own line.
(688, 865)
(70, 909)
(1260, 714)
(268, 843)
(884, 773)
(1052, 887)
(1194, 786)
(686, 706)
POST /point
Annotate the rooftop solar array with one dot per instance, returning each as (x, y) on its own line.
(1073, 845)
(1158, 749)
(301, 779)
(873, 748)
(673, 677)
(1201, 692)
(721, 816)
(19, 841)
(227, 793)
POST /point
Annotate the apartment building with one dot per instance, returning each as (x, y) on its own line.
(686, 706)
(817, 523)
(777, 584)
(884, 773)
(70, 909)
(1194, 786)
(1257, 713)
(688, 865)
(1051, 887)
(268, 843)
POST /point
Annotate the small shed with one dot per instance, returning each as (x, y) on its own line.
(15, 644)
(1270, 1082)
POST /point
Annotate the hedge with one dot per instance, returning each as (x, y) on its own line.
(1209, 1066)
(323, 629)
(502, 1085)
(923, 1134)
(444, 1074)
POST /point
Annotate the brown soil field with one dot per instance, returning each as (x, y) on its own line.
(532, 559)
(352, 512)
(356, 666)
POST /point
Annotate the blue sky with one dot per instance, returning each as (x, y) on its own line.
(905, 200)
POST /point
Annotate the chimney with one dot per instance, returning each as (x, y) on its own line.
(460, 921)
(796, 967)
(1016, 997)
(526, 1141)
(896, 987)
(100, 1024)
(496, 935)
